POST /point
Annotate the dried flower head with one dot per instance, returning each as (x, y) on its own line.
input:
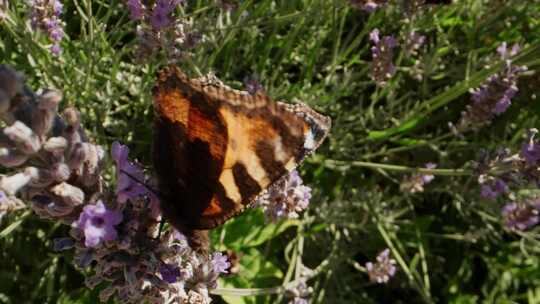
(383, 269)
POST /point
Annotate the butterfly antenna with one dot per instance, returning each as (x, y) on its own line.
(154, 191)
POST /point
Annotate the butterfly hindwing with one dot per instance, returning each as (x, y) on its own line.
(216, 149)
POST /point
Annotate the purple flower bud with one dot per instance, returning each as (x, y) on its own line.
(12, 157)
(27, 141)
(98, 223)
(58, 209)
(55, 145)
(11, 184)
(45, 15)
(69, 194)
(530, 150)
(84, 258)
(492, 189)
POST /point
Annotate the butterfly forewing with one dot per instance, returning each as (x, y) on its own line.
(216, 149)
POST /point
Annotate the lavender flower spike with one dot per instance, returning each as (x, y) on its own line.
(494, 96)
(286, 198)
(382, 270)
(382, 53)
(45, 15)
(97, 223)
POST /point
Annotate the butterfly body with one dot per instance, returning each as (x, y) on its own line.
(216, 149)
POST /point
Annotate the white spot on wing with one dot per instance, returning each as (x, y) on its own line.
(309, 141)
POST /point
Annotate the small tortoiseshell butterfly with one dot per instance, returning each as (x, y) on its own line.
(216, 149)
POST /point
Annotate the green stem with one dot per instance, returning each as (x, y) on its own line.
(339, 164)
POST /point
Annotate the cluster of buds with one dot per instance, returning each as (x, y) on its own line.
(502, 172)
(416, 182)
(159, 29)
(521, 215)
(300, 293)
(286, 198)
(116, 233)
(45, 15)
(494, 96)
(382, 66)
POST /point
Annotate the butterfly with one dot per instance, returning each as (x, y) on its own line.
(216, 149)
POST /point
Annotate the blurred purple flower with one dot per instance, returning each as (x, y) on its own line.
(220, 262)
(494, 96)
(286, 198)
(493, 188)
(382, 270)
(136, 9)
(521, 216)
(530, 150)
(98, 223)
(161, 14)
(413, 43)
(45, 15)
(382, 54)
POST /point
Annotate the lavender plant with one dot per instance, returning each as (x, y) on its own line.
(115, 233)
